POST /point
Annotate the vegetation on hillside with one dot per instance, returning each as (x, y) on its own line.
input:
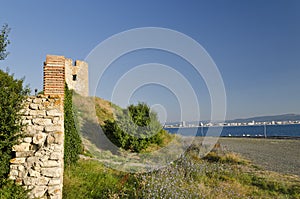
(220, 174)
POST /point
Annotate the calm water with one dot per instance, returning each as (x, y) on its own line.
(292, 130)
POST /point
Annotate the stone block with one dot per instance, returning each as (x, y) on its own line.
(27, 139)
(42, 121)
(24, 112)
(58, 148)
(37, 113)
(56, 120)
(33, 106)
(37, 100)
(55, 156)
(21, 147)
(17, 160)
(38, 128)
(54, 181)
(53, 128)
(13, 173)
(34, 173)
(21, 168)
(24, 154)
(50, 163)
(39, 138)
(54, 112)
(45, 157)
(50, 139)
(22, 174)
(26, 122)
(30, 181)
(39, 191)
(43, 180)
(59, 137)
(51, 172)
(40, 153)
(13, 167)
(31, 160)
(54, 190)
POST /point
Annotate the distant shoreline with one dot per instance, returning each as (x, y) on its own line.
(277, 131)
(268, 137)
(175, 127)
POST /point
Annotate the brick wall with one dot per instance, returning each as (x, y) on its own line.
(54, 75)
(58, 70)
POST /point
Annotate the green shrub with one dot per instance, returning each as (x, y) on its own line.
(12, 96)
(11, 190)
(134, 128)
(73, 145)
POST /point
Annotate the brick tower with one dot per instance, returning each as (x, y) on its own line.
(58, 70)
(54, 75)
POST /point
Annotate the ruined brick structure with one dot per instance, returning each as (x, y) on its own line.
(58, 70)
(38, 164)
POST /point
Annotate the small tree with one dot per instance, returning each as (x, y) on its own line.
(12, 96)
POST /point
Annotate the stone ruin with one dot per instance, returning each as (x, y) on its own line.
(38, 163)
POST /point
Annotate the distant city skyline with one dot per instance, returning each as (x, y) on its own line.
(254, 44)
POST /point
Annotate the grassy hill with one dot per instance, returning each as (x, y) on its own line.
(92, 112)
(220, 174)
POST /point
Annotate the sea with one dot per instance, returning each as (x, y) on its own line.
(284, 131)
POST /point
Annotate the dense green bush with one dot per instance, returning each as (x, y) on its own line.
(12, 96)
(134, 128)
(73, 145)
(11, 190)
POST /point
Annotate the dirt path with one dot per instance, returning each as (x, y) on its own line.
(279, 155)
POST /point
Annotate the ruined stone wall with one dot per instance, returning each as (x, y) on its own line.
(38, 163)
(58, 70)
(77, 76)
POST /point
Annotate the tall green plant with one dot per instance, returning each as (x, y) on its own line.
(73, 145)
(12, 96)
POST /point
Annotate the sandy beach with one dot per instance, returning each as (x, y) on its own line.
(280, 155)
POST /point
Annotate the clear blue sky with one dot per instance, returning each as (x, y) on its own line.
(255, 44)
